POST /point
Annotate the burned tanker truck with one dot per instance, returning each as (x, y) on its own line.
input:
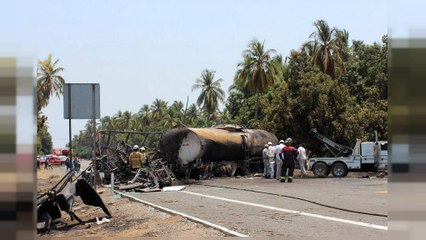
(222, 150)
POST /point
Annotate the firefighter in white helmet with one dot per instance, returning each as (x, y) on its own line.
(144, 158)
(135, 158)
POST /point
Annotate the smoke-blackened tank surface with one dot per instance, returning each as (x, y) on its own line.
(183, 145)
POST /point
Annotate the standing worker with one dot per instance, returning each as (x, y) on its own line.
(77, 164)
(72, 164)
(144, 159)
(135, 158)
(288, 155)
(278, 161)
(302, 160)
(49, 164)
(265, 157)
(271, 160)
(68, 163)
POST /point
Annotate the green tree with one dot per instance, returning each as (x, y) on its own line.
(158, 109)
(311, 99)
(176, 111)
(257, 71)
(310, 48)
(106, 123)
(367, 79)
(125, 121)
(142, 118)
(49, 81)
(44, 142)
(211, 92)
(327, 45)
(192, 114)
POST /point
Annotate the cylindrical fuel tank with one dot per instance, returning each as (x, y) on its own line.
(183, 145)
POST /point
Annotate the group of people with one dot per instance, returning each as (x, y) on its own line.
(47, 164)
(279, 161)
(137, 157)
(72, 164)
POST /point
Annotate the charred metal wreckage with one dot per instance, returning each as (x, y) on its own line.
(222, 150)
(61, 197)
(152, 176)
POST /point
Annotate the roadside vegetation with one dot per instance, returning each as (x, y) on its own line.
(49, 83)
(330, 83)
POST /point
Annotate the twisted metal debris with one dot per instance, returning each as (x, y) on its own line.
(154, 175)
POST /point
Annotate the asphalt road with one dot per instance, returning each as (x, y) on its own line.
(263, 215)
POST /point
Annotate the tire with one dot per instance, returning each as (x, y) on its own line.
(339, 169)
(320, 169)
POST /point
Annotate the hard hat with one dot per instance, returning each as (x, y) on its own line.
(288, 141)
(281, 141)
(269, 143)
(142, 149)
(266, 145)
(136, 147)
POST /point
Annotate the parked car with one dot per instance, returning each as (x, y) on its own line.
(55, 160)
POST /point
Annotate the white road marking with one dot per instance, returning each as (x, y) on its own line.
(363, 224)
(195, 219)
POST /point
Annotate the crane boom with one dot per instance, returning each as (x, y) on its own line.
(335, 149)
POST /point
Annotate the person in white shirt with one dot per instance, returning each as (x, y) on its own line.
(278, 161)
(265, 157)
(302, 160)
(271, 160)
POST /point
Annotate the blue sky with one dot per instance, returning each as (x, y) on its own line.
(142, 50)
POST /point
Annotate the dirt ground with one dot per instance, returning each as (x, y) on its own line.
(129, 218)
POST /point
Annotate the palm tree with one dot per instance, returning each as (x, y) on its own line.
(310, 48)
(342, 37)
(49, 81)
(126, 120)
(257, 71)
(328, 53)
(158, 109)
(117, 120)
(177, 109)
(170, 119)
(192, 114)
(211, 91)
(282, 67)
(106, 123)
(143, 116)
(41, 122)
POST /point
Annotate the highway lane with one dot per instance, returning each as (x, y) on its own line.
(256, 214)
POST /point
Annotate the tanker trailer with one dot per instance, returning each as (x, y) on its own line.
(224, 147)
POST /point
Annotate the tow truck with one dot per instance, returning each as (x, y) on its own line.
(364, 156)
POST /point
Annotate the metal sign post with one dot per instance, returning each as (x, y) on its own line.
(94, 137)
(69, 126)
(76, 107)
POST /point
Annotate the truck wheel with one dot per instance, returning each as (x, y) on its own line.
(320, 169)
(339, 170)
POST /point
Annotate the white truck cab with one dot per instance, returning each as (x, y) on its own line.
(365, 155)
